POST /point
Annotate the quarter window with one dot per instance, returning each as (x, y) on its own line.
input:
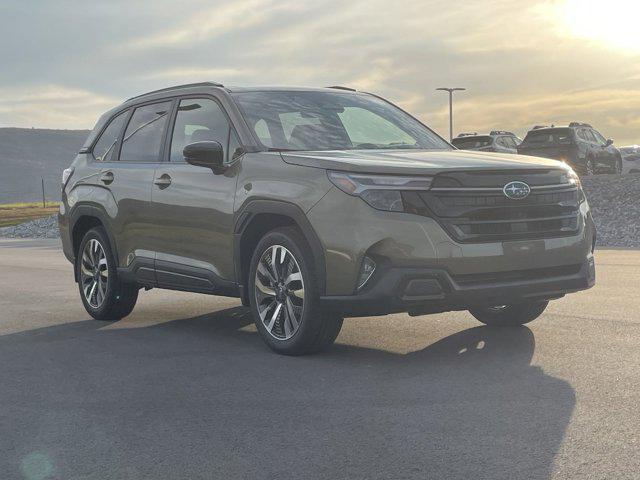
(142, 141)
(199, 120)
(104, 149)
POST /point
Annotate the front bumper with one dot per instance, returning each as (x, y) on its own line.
(431, 290)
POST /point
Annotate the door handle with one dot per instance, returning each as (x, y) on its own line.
(163, 181)
(106, 177)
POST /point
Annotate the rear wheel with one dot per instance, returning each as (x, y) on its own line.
(283, 294)
(506, 315)
(104, 295)
(587, 168)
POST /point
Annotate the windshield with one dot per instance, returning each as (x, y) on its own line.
(332, 121)
(548, 137)
(469, 143)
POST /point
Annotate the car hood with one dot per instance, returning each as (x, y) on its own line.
(416, 161)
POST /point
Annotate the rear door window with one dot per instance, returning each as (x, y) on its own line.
(142, 141)
(105, 147)
(590, 136)
(509, 142)
(548, 138)
(502, 141)
(464, 143)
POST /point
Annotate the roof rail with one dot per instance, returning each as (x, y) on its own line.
(538, 127)
(580, 124)
(467, 134)
(175, 87)
(501, 132)
(340, 87)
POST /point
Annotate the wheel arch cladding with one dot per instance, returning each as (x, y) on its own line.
(262, 216)
(82, 219)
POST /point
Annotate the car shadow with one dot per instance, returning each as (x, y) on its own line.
(203, 398)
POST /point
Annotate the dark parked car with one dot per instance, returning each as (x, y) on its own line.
(630, 159)
(497, 141)
(579, 145)
(312, 205)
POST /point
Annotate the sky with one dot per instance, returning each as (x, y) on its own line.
(523, 63)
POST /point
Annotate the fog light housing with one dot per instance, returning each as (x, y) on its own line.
(366, 270)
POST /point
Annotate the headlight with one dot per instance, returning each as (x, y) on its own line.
(380, 191)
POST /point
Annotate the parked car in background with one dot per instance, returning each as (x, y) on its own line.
(630, 159)
(578, 144)
(497, 141)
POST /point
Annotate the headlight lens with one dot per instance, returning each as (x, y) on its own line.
(380, 191)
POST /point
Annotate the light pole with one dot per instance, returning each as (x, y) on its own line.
(451, 90)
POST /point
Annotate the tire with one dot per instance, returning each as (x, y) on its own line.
(284, 298)
(587, 168)
(510, 315)
(617, 166)
(103, 295)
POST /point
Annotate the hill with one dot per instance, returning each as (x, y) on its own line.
(28, 154)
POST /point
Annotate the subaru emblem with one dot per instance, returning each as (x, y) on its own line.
(516, 190)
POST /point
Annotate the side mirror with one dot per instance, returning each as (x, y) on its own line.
(204, 154)
(608, 143)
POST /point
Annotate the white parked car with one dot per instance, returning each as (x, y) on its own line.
(630, 159)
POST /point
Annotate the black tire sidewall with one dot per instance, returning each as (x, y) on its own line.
(312, 317)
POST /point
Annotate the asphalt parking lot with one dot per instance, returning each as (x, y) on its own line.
(184, 388)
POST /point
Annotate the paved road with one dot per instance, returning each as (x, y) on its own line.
(185, 389)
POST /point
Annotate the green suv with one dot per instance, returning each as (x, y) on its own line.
(311, 205)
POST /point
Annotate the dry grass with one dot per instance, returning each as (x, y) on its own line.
(16, 213)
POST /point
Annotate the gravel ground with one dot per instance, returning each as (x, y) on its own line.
(46, 227)
(614, 199)
(615, 203)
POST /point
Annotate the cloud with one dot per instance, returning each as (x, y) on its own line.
(52, 106)
(519, 65)
(208, 24)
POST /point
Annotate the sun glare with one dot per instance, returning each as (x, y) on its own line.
(614, 23)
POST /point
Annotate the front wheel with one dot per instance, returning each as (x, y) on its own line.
(283, 295)
(508, 315)
(617, 166)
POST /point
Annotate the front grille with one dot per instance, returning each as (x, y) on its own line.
(484, 214)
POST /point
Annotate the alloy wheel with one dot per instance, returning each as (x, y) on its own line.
(94, 273)
(279, 292)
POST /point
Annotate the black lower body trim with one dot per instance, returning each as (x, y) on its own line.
(424, 290)
(150, 273)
